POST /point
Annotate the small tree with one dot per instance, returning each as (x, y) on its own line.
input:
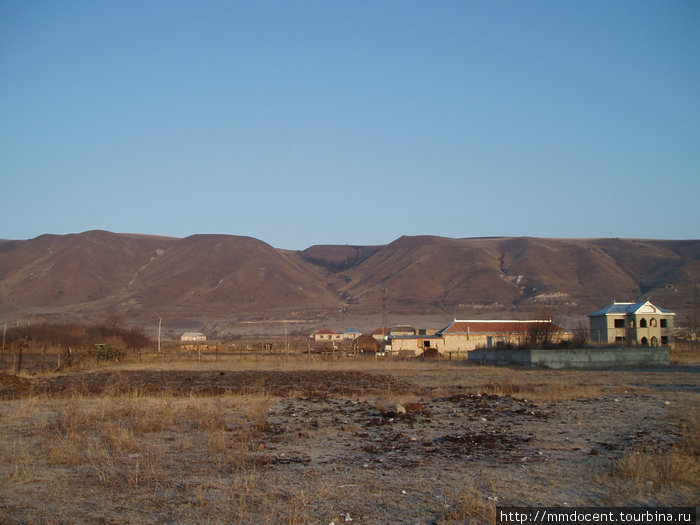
(580, 339)
(541, 334)
(113, 324)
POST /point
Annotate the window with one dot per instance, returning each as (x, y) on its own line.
(645, 341)
(652, 322)
(619, 323)
(620, 339)
(664, 339)
(663, 323)
(643, 323)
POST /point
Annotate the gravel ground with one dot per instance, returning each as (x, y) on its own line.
(340, 446)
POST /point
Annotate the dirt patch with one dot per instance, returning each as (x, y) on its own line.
(309, 383)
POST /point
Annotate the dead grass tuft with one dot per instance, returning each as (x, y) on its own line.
(685, 353)
(131, 470)
(24, 462)
(551, 390)
(676, 468)
(208, 414)
(257, 414)
(471, 506)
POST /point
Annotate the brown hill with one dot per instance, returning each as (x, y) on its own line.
(53, 272)
(225, 275)
(431, 274)
(209, 278)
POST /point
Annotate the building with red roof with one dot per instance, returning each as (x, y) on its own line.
(461, 336)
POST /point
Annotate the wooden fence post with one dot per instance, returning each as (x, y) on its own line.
(18, 358)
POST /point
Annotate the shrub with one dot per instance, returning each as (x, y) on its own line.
(79, 336)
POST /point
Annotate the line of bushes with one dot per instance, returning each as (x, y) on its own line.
(78, 335)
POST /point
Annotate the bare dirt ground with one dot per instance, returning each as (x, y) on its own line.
(290, 441)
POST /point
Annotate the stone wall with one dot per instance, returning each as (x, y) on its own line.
(575, 358)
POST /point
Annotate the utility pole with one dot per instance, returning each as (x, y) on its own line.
(384, 291)
(160, 320)
(286, 341)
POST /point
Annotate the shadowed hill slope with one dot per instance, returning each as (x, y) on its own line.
(337, 258)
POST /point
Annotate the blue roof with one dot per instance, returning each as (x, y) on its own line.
(627, 308)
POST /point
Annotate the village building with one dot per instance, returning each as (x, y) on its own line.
(466, 335)
(405, 341)
(329, 335)
(193, 337)
(351, 334)
(401, 330)
(461, 336)
(640, 324)
(381, 334)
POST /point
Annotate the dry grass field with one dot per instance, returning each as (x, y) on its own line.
(275, 439)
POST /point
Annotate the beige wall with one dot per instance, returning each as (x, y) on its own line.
(413, 345)
(328, 337)
(450, 344)
(652, 332)
(603, 329)
(191, 338)
(466, 343)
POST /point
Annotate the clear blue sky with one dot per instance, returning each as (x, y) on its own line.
(350, 122)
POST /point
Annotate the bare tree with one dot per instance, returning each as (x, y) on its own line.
(581, 336)
(113, 323)
(541, 334)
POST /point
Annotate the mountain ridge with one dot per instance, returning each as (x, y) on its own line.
(214, 278)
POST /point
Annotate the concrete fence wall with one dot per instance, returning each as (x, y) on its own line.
(575, 358)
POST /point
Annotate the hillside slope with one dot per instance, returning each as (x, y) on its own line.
(525, 274)
(213, 277)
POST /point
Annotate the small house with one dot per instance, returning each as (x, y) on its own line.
(351, 334)
(381, 334)
(193, 337)
(406, 341)
(327, 335)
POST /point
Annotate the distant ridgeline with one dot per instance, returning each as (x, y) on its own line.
(232, 278)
